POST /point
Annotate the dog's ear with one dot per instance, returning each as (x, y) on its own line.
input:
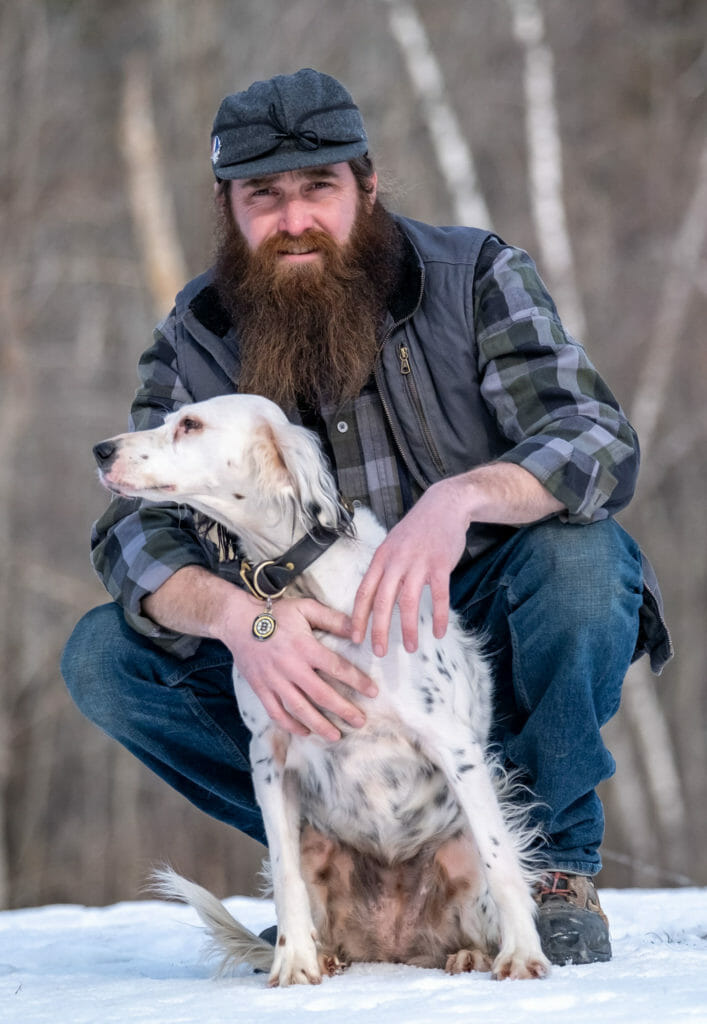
(270, 471)
(290, 464)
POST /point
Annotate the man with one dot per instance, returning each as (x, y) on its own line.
(434, 366)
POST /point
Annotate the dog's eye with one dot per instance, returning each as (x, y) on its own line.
(190, 424)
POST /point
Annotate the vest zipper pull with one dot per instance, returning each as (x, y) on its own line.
(404, 361)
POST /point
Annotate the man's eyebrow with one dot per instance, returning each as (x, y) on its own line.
(257, 182)
(310, 173)
(326, 171)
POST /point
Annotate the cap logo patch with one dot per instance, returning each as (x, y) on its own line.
(215, 149)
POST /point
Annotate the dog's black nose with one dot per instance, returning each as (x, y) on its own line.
(104, 452)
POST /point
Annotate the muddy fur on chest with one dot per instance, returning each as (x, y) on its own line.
(369, 909)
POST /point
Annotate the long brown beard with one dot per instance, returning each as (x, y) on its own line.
(309, 332)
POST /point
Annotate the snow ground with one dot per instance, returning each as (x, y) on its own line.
(140, 962)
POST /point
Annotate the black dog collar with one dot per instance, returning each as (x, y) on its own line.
(270, 579)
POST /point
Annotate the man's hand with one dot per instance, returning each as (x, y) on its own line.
(282, 670)
(421, 550)
(425, 546)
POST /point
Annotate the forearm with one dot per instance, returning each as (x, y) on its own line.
(502, 492)
(199, 603)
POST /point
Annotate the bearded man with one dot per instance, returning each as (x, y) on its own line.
(450, 399)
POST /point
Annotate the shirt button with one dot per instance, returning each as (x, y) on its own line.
(342, 426)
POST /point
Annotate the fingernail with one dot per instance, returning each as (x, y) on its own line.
(378, 650)
(357, 721)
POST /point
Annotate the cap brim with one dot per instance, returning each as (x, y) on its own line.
(291, 159)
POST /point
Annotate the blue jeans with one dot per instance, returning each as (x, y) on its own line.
(558, 607)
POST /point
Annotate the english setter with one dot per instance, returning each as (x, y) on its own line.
(392, 843)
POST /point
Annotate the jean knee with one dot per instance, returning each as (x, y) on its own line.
(593, 569)
(90, 659)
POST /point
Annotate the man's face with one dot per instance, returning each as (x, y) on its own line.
(287, 206)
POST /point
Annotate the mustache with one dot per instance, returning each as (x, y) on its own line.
(308, 240)
(334, 254)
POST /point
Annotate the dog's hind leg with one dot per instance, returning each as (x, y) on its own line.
(468, 775)
(277, 790)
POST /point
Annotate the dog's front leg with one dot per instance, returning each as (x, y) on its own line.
(469, 777)
(277, 789)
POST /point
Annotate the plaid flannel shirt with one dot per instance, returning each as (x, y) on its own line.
(560, 420)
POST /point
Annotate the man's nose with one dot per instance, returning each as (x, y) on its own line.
(295, 217)
(104, 452)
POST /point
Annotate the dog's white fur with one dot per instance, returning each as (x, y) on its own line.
(411, 795)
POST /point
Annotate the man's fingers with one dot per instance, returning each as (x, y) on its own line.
(363, 604)
(290, 708)
(383, 605)
(311, 697)
(439, 588)
(302, 710)
(409, 605)
(319, 616)
(277, 714)
(338, 667)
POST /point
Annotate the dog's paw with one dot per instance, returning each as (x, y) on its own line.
(330, 964)
(520, 965)
(466, 960)
(296, 964)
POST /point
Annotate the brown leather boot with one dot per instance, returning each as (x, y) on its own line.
(572, 926)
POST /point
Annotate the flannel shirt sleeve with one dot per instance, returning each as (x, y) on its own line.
(136, 545)
(566, 427)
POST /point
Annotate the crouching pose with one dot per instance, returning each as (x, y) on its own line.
(450, 402)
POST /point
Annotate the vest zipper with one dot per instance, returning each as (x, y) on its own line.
(406, 371)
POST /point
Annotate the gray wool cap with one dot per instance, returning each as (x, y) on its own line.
(288, 122)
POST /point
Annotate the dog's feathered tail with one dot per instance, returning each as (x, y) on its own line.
(228, 940)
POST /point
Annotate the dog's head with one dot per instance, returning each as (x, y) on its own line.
(235, 458)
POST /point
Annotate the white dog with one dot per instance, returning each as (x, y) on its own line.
(390, 844)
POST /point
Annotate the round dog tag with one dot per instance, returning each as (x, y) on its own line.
(264, 626)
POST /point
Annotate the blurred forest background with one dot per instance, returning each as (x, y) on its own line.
(577, 130)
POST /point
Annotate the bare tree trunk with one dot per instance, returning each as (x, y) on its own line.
(653, 739)
(672, 311)
(451, 149)
(545, 162)
(644, 715)
(15, 382)
(628, 802)
(152, 208)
